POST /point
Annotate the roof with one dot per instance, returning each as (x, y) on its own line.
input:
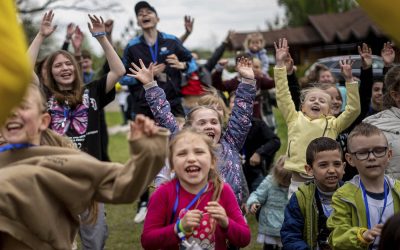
(324, 28)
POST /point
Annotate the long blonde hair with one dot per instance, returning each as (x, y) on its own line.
(213, 175)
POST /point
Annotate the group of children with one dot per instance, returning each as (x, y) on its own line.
(48, 183)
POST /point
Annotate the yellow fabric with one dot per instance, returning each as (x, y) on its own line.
(301, 129)
(15, 68)
(385, 14)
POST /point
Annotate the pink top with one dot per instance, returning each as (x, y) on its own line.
(158, 233)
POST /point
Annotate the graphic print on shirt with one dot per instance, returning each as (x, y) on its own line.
(72, 123)
(204, 234)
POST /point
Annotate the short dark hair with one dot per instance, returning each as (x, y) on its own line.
(143, 4)
(319, 145)
(363, 129)
(86, 54)
(390, 236)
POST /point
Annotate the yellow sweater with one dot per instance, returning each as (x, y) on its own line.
(15, 68)
(301, 129)
(44, 189)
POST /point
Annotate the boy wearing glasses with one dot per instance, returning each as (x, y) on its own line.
(362, 205)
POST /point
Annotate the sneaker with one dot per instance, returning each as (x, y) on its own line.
(141, 214)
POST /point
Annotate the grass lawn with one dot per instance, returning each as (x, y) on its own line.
(123, 232)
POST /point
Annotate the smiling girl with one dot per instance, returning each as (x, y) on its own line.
(314, 119)
(196, 207)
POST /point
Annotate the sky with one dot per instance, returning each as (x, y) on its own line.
(213, 19)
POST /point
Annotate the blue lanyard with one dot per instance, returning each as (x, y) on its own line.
(15, 146)
(366, 202)
(177, 188)
(154, 53)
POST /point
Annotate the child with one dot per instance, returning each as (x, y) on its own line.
(196, 206)
(254, 46)
(313, 120)
(271, 195)
(44, 189)
(208, 121)
(363, 204)
(304, 226)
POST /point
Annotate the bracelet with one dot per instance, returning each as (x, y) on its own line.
(97, 34)
(248, 81)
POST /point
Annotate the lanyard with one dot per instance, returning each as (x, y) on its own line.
(366, 202)
(154, 53)
(15, 146)
(177, 188)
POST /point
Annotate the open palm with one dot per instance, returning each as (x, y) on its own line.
(97, 24)
(46, 27)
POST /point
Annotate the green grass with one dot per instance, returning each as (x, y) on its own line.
(123, 232)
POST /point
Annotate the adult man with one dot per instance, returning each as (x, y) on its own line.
(166, 51)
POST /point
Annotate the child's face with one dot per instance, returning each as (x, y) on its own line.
(326, 77)
(26, 121)
(206, 121)
(255, 45)
(327, 169)
(191, 160)
(316, 103)
(257, 67)
(336, 101)
(377, 93)
(370, 155)
(63, 72)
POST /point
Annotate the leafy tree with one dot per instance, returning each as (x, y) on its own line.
(297, 11)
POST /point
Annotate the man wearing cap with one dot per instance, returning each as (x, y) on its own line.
(166, 51)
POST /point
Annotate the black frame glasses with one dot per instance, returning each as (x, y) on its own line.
(378, 152)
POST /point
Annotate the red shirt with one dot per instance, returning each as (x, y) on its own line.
(158, 233)
(194, 86)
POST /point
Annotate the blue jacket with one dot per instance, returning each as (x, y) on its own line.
(229, 161)
(136, 49)
(273, 200)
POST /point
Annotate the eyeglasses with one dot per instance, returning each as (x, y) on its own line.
(378, 152)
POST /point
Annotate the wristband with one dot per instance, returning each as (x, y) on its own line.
(97, 34)
(248, 80)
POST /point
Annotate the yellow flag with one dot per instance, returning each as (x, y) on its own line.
(386, 14)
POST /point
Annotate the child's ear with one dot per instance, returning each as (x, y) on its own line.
(349, 158)
(45, 121)
(309, 170)
(390, 153)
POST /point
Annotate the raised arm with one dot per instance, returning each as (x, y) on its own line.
(283, 97)
(155, 96)
(188, 23)
(46, 29)
(240, 121)
(352, 109)
(388, 56)
(366, 82)
(117, 69)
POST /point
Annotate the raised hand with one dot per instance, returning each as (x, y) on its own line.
(281, 52)
(97, 24)
(346, 69)
(388, 54)
(244, 67)
(174, 62)
(46, 27)
(366, 56)
(143, 74)
(109, 26)
(218, 213)
(70, 31)
(77, 39)
(142, 126)
(289, 64)
(188, 21)
(191, 220)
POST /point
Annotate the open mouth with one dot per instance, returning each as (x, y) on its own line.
(315, 108)
(192, 169)
(373, 166)
(210, 134)
(144, 21)
(12, 126)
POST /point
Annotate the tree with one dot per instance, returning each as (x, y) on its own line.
(31, 6)
(297, 11)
